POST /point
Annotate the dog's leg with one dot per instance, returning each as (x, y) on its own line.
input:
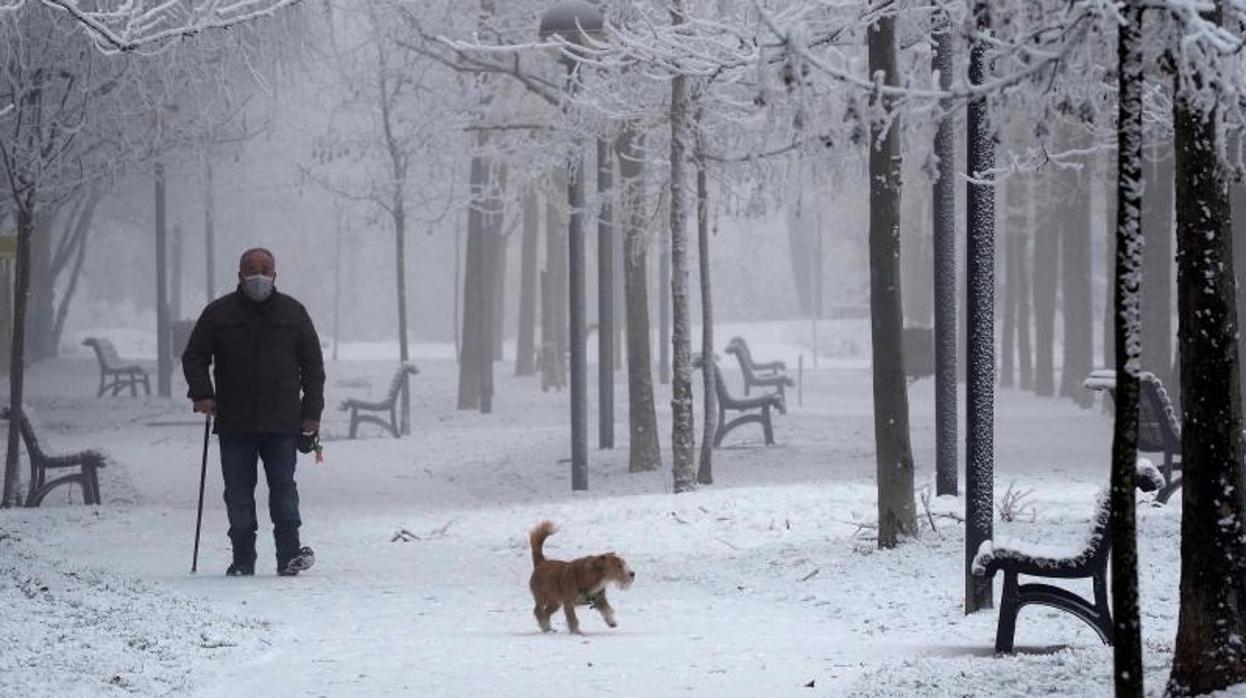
(542, 617)
(602, 604)
(573, 623)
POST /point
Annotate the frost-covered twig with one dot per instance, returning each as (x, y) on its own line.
(1013, 505)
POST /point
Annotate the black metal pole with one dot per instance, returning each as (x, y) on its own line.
(575, 295)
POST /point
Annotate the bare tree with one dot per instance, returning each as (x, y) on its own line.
(980, 342)
(1127, 625)
(944, 240)
(682, 437)
(897, 510)
(644, 453)
(525, 343)
(1208, 652)
(705, 469)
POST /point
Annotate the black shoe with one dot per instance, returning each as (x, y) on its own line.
(301, 561)
(241, 569)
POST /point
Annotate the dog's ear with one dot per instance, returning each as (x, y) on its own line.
(599, 563)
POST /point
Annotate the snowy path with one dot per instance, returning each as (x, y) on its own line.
(753, 587)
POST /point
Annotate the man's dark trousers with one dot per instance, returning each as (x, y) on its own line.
(239, 455)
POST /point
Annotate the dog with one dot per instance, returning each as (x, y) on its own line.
(580, 582)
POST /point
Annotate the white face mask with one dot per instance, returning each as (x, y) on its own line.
(258, 287)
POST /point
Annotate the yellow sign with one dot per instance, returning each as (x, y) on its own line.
(8, 247)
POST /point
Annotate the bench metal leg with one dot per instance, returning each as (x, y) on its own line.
(766, 425)
(100, 392)
(1097, 615)
(740, 421)
(354, 422)
(133, 385)
(1167, 491)
(35, 498)
(393, 421)
(1006, 630)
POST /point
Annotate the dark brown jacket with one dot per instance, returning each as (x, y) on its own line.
(264, 355)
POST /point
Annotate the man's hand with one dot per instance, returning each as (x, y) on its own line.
(310, 426)
(207, 407)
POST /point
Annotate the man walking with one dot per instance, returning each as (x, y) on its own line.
(264, 352)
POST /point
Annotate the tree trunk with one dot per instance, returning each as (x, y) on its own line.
(980, 336)
(1046, 269)
(620, 298)
(164, 358)
(175, 273)
(474, 351)
(644, 453)
(705, 469)
(1127, 625)
(209, 229)
(525, 344)
(1209, 654)
(404, 353)
(1025, 350)
(944, 205)
(1237, 203)
(1157, 225)
(664, 308)
(893, 452)
(17, 373)
(556, 274)
(43, 283)
(1111, 211)
(1012, 262)
(682, 437)
(492, 267)
(605, 296)
(337, 281)
(1075, 282)
(498, 250)
(801, 253)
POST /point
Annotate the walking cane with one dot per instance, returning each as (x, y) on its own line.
(203, 475)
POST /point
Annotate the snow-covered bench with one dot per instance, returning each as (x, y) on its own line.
(1090, 561)
(756, 409)
(767, 374)
(359, 408)
(87, 463)
(1159, 429)
(115, 374)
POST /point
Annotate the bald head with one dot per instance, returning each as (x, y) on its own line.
(257, 260)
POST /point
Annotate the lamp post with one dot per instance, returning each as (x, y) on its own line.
(575, 22)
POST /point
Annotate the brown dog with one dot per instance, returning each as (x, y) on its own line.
(582, 581)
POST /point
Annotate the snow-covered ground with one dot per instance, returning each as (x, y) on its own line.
(764, 584)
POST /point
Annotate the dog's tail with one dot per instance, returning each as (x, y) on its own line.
(537, 537)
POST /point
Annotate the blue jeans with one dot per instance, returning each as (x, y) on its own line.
(239, 455)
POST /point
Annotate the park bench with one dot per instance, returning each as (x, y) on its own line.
(769, 374)
(1159, 429)
(1089, 562)
(114, 373)
(86, 462)
(755, 409)
(360, 409)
